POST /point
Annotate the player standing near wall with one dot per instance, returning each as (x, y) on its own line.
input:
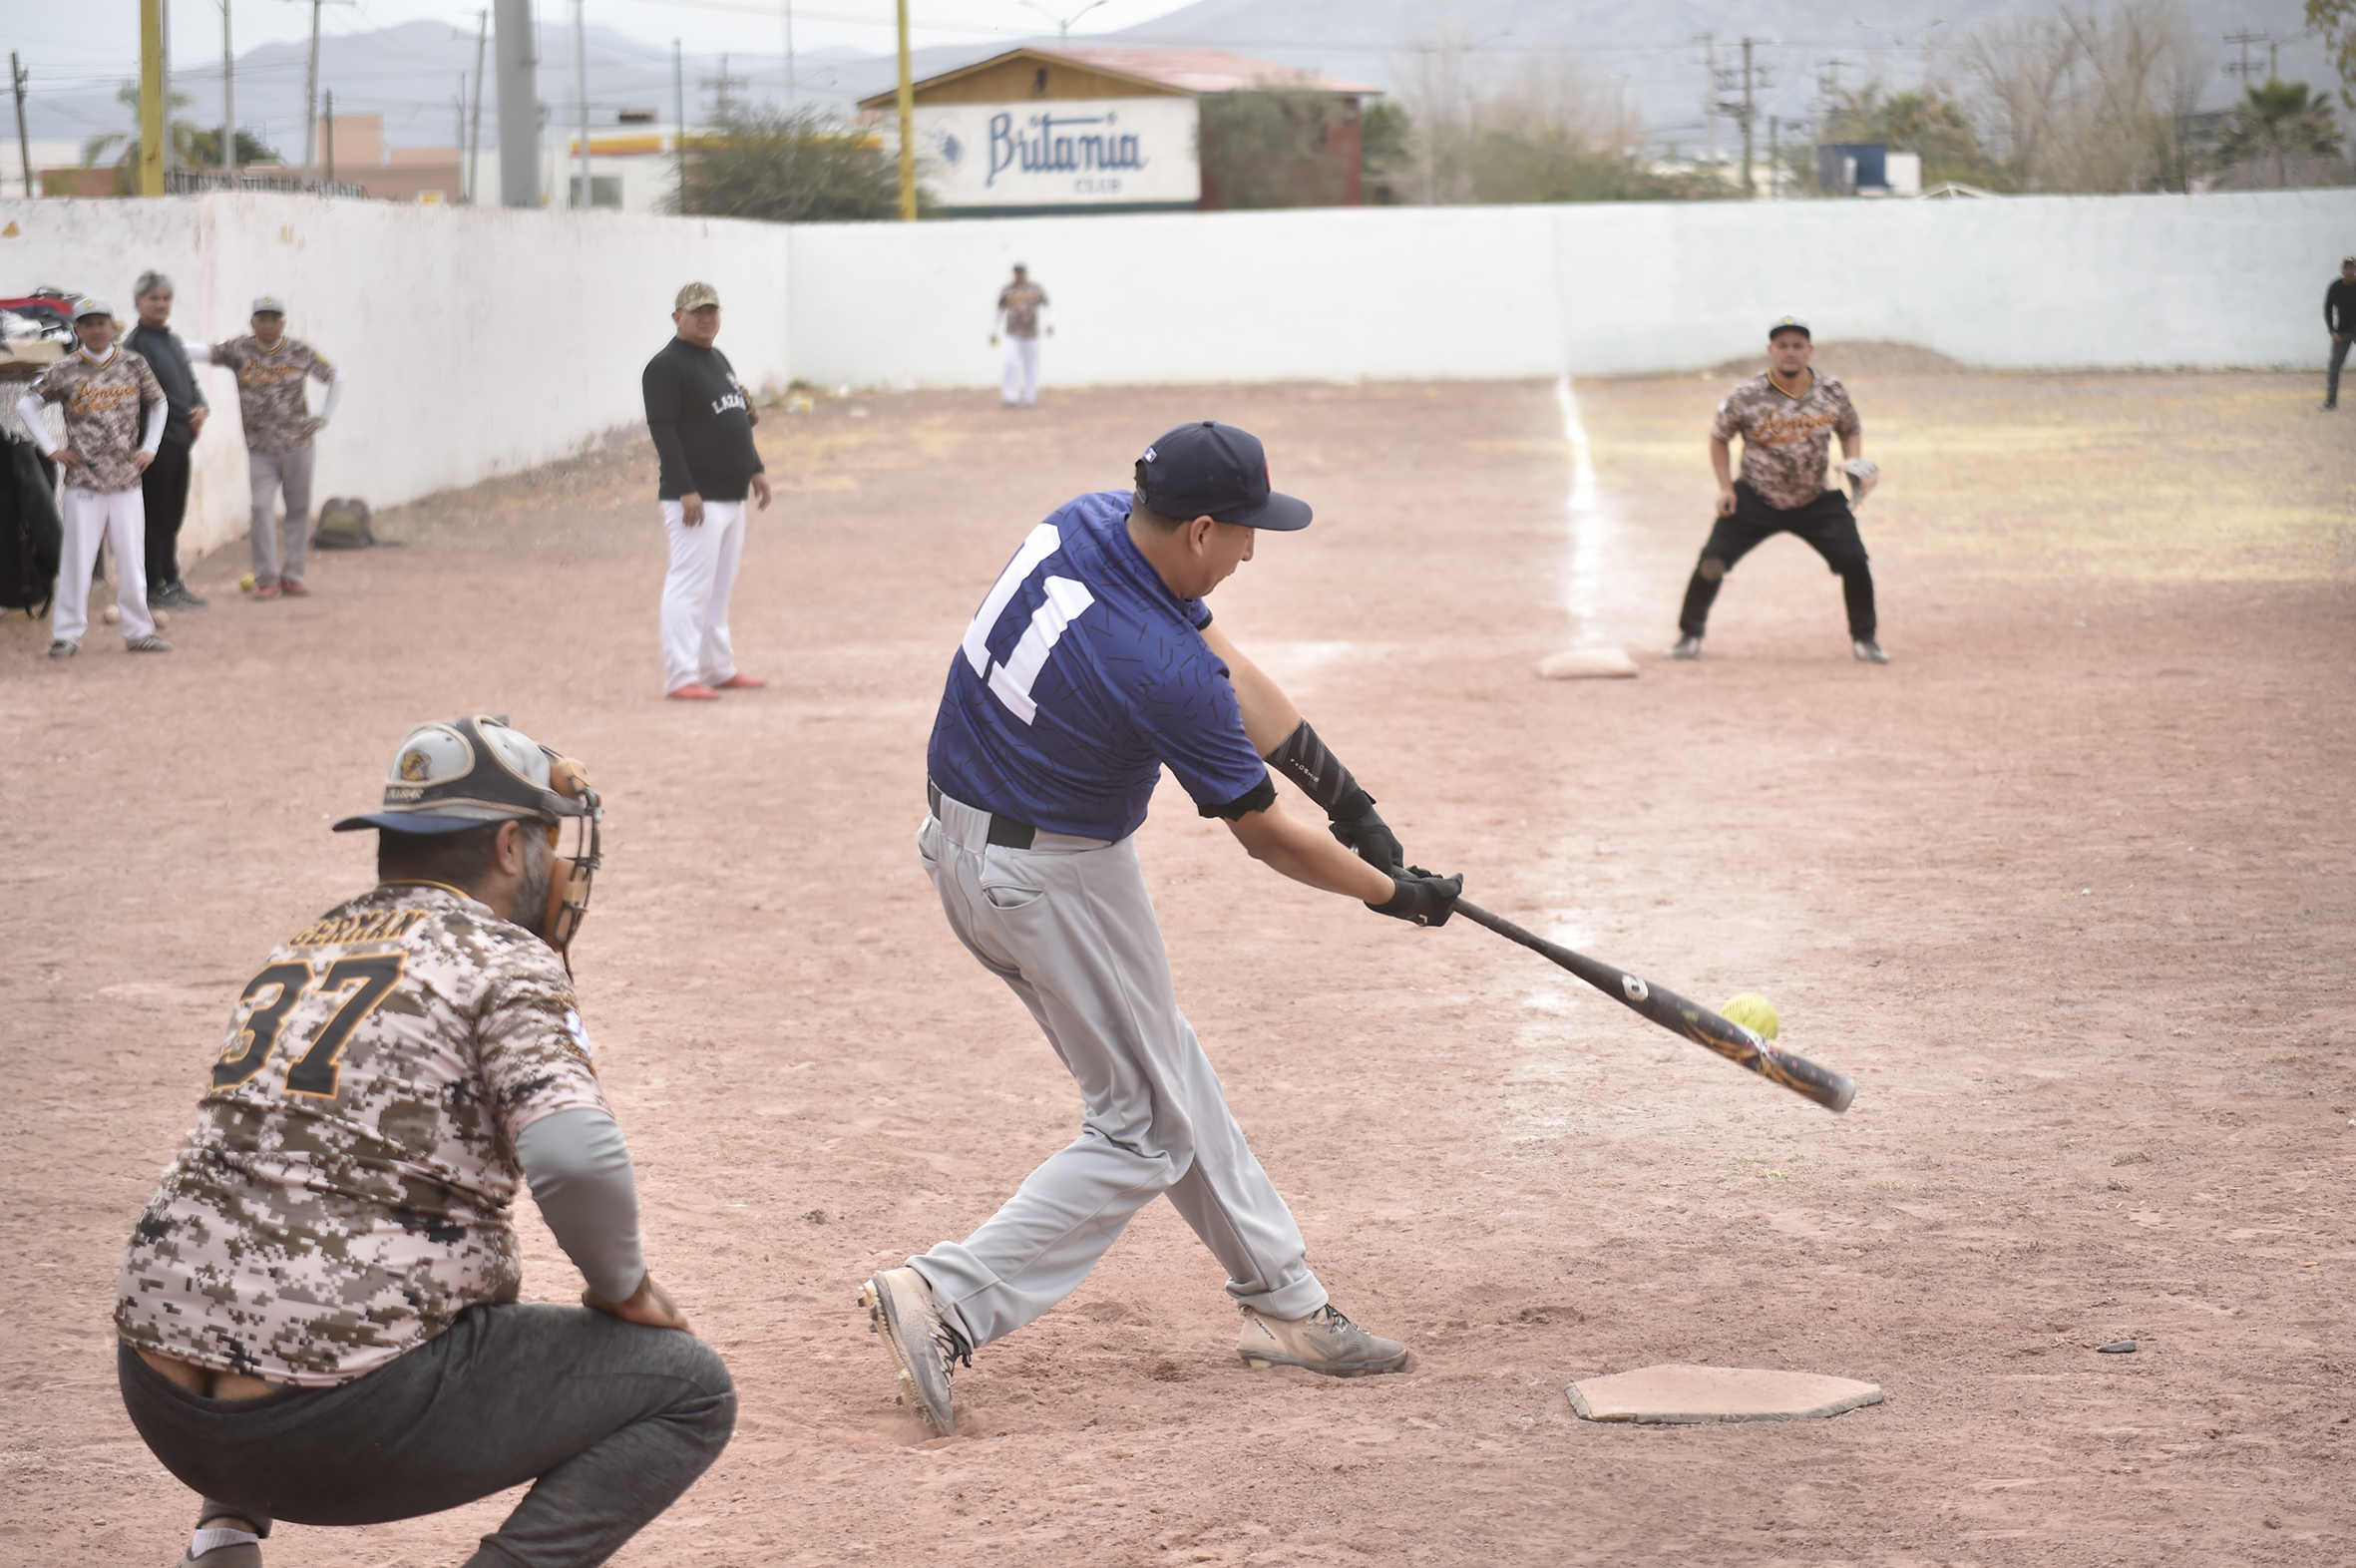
(702, 424)
(2339, 314)
(1786, 417)
(270, 369)
(106, 389)
(165, 486)
(1021, 305)
(1091, 663)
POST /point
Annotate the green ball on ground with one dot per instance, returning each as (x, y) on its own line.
(1754, 1012)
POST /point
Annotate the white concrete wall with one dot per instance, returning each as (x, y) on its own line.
(480, 340)
(1479, 292)
(476, 340)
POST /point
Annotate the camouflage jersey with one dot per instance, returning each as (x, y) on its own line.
(1785, 439)
(1020, 302)
(269, 389)
(345, 1191)
(105, 405)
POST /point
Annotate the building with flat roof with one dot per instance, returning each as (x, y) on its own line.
(1064, 130)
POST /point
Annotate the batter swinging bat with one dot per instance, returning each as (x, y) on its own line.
(1673, 1012)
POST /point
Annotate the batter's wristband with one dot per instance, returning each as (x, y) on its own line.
(1303, 759)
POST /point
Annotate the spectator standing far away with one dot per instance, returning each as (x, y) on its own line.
(279, 424)
(702, 425)
(2339, 314)
(1018, 317)
(165, 482)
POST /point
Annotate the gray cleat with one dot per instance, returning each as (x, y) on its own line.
(1324, 1343)
(61, 648)
(900, 1307)
(151, 644)
(246, 1554)
(1868, 651)
(1688, 646)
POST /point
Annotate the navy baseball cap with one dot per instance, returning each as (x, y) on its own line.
(1217, 470)
(450, 776)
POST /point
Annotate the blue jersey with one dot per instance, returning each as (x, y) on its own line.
(1081, 676)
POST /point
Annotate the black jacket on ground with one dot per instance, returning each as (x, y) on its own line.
(695, 410)
(2339, 306)
(170, 361)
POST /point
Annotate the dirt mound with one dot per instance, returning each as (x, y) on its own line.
(1859, 357)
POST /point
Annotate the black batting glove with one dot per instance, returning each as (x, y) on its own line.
(1422, 898)
(1370, 838)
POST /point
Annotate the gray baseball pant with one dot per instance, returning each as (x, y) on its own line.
(1068, 926)
(610, 1420)
(270, 473)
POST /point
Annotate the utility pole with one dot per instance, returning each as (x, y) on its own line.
(723, 81)
(164, 78)
(474, 140)
(458, 107)
(1745, 108)
(229, 99)
(908, 126)
(310, 96)
(330, 130)
(24, 148)
(679, 109)
(2244, 38)
(580, 93)
(151, 97)
(519, 105)
(789, 56)
(1709, 92)
(1775, 171)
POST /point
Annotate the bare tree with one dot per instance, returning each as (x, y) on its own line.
(2086, 101)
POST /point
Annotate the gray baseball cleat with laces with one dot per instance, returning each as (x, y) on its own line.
(1324, 1343)
(1688, 646)
(900, 1308)
(1868, 651)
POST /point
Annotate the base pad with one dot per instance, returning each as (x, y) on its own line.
(1691, 1395)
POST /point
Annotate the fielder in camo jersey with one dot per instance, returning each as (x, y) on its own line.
(270, 369)
(318, 1308)
(105, 391)
(1786, 417)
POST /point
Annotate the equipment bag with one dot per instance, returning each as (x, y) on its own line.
(343, 524)
(30, 532)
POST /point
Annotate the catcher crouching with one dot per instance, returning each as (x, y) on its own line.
(319, 1307)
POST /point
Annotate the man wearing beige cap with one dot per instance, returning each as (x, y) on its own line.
(702, 424)
(270, 369)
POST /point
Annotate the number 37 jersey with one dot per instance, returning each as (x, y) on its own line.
(1079, 679)
(345, 1192)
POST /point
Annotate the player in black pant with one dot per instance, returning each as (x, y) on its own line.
(2339, 314)
(165, 482)
(1786, 418)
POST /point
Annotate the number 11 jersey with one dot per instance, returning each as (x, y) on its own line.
(1079, 679)
(345, 1192)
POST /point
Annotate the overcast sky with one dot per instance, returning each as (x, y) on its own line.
(85, 41)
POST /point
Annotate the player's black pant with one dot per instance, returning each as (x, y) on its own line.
(612, 1422)
(1826, 523)
(2339, 357)
(165, 487)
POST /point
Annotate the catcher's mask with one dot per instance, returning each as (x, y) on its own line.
(449, 776)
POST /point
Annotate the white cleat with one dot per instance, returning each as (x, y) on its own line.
(1324, 1343)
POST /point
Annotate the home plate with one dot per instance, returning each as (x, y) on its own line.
(1690, 1396)
(1588, 664)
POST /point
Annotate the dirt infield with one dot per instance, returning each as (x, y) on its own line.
(2067, 888)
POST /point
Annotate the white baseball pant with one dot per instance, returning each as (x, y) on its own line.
(695, 594)
(119, 516)
(1068, 926)
(1022, 382)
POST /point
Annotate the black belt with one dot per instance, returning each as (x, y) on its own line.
(1005, 832)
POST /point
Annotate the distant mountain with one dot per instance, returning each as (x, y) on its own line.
(1647, 54)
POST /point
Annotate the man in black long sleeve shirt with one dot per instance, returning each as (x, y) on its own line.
(2339, 314)
(165, 482)
(702, 425)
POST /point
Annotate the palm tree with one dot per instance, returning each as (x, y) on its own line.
(2280, 121)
